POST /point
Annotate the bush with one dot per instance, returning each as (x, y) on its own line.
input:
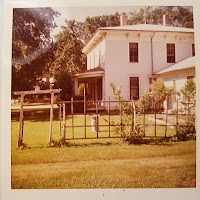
(186, 133)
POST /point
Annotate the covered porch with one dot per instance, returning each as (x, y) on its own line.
(93, 81)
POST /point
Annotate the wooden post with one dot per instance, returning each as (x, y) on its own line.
(21, 124)
(60, 118)
(187, 112)
(72, 113)
(109, 116)
(97, 119)
(51, 117)
(155, 118)
(166, 120)
(85, 107)
(177, 117)
(134, 114)
(120, 117)
(64, 122)
(144, 118)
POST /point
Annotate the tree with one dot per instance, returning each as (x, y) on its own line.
(91, 24)
(31, 45)
(64, 82)
(159, 91)
(189, 91)
(179, 16)
(68, 55)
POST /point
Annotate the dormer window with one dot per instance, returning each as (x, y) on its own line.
(133, 52)
(170, 53)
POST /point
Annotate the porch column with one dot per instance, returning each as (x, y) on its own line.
(76, 87)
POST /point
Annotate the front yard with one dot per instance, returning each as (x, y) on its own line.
(96, 163)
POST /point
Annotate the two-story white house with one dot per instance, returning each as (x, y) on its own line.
(130, 56)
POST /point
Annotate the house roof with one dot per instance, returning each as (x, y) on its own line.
(184, 64)
(100, 32)
(149, 27)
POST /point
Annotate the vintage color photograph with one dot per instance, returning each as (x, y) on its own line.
(103, 97)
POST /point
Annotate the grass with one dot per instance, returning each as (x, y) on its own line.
(95, 163)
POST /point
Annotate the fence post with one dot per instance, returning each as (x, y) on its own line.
(64, 123)
(85, 108)
(120, 117)
(187, 112)
(109, 115)
(177, 117)
(132, 115)
(144, 118)
(166, 119)
(60, 116)
(97, 120)
(21, 125)
(155, 118)
(51, 118)
(72, 113)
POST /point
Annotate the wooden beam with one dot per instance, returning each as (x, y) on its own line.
(37, 92)
(51, 118)
(21, 125)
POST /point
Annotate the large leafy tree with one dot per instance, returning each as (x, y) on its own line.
(31, 45)
(179, 16)
(68, 55)
(91, 24)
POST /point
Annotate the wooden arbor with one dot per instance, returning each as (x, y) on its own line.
(21, 125)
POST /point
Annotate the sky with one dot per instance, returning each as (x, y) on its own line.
(81, 13)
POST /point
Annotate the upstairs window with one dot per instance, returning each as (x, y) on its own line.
(134, 88)
(133, 52)
(193, 50)
(170, 53)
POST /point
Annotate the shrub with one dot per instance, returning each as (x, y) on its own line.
(186, 133)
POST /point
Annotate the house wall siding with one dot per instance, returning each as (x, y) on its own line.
(96, 58)
(114, 51)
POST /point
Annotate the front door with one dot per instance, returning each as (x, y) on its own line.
(95, 89)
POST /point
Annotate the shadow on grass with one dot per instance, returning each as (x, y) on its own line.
(35, 115)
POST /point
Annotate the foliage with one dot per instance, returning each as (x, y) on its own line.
(188, 95)
(159, 91)
(68, 55)
(91, 24)
(127, 112)
(64, 82)
(186, 133)
(31, 45)
(189, 91)
(58, 143)
(144, 99)
(179, 16)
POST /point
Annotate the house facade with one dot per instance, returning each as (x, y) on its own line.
(131, 56)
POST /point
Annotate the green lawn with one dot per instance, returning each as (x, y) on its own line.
(95, 163)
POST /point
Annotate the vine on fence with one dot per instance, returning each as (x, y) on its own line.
(128, 132)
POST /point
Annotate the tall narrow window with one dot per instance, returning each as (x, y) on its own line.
(134, 88)
(170, 53)
(193, 50)
(133, 52)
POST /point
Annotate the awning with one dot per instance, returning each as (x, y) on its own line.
(96, 72)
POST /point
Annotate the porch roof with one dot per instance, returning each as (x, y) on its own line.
(96, 72)
(184, 64)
